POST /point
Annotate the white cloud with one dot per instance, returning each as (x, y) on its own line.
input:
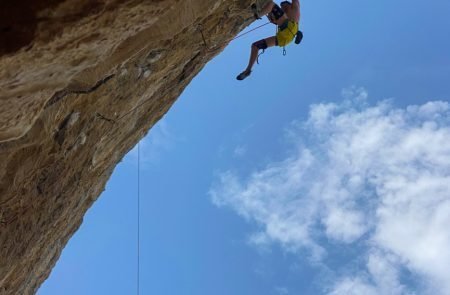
(281, 290)
(380, 277)
(153, 146)
(240, 151)
(374, 173)
(353, 286)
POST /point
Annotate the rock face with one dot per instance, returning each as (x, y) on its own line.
(81, 82)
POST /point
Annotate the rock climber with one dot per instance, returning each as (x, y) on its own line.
(287, 19)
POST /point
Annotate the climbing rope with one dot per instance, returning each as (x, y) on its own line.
(138, 151)
(200, 29)
(138, 215)
(243, 34)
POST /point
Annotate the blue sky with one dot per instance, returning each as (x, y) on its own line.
(325, 172)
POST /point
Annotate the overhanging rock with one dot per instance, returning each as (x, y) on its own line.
(81, 82)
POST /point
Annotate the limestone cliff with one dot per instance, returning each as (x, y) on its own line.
(81, 81)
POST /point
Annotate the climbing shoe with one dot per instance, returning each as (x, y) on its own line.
(255, 11)
(243, 75)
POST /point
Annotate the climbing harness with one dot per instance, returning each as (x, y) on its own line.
(297, 37)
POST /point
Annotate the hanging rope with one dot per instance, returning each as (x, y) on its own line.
(243, 34)
(200, 29)
(138, 216)
(110, 130)
(138, 151)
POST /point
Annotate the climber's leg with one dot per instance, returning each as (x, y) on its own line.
(256, 46)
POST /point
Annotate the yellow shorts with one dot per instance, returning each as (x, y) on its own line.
(284, 37)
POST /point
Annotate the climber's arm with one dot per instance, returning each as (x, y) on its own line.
(296, 6)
